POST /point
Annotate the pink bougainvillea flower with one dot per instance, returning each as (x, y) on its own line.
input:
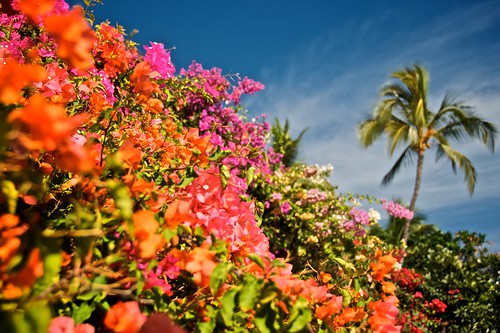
(57, 86)
(396, 210)
(162, 320)
(62, 325)
(159, 60)
(84, 328)
(67, 325)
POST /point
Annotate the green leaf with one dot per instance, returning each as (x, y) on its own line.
(269, 293)
(82, 312)
(88, 296)
(219, 276)
(420, 114)
(346, 297)
(248, 294)
(225, 175)
(344, 264)
(263, 320)
(35, 318)
(357, 285)
(250, 175)
(10, 192)
(257, 259)
(208, 326)
(218, 154)
(228, 306)
(52, 258)
(123, 201)
(299, 316)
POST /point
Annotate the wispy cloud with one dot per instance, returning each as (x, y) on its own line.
(330, 91)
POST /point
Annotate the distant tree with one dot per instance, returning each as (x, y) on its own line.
(283, 143)
(459, 270)
(403, 115)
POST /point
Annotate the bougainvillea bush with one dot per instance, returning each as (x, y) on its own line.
(134, 193)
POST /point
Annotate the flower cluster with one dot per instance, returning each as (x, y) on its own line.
(396, 210)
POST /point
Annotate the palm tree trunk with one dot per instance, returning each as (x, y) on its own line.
(418, 178)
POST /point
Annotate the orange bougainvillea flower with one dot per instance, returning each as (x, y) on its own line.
(8, 221)
(9, 238)
(111, 50)
(333, 306)
(178, 212)
(381, 268)
(15, 285)
(145, 226)
(350, 315)
(200, 261)
(141, 80)
(388, 287)
(74, 158)
(130, 155)
(14, 77)
(125, 317)
(36, 8)
(74, 37)
(383, 318)
(47, 123)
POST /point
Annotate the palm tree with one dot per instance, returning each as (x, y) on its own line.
(283, 143)
(403, 115)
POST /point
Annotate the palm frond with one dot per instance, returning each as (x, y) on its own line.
(369, 131)
(396, 90)
(406, 158)
(397, 131)
(457, 159)
(464, 129)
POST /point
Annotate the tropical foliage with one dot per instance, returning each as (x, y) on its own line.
(283, 143)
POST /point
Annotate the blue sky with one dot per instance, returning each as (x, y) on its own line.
(323, 63)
